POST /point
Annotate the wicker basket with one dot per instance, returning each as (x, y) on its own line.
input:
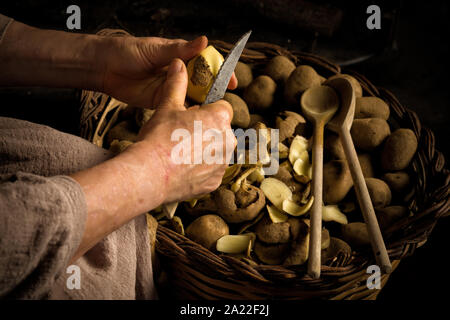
(197, 273)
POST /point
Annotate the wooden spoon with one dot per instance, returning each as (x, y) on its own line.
(341, 124)
(319, 104)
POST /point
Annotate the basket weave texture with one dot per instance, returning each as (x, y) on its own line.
(195, 272)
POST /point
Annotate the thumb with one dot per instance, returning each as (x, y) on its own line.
(175, 87)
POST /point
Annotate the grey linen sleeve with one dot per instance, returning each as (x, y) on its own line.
(41, 225)
(4, 23)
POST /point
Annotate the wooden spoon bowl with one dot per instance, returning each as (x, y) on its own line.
(319, 104)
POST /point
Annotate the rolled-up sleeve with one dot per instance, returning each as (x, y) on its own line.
(42, 221)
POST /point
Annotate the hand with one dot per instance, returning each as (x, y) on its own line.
(186, 181)
(144, 175)
(135, 68)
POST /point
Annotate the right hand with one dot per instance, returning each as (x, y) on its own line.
(184, 181)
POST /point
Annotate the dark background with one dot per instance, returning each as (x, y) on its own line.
(408, 56)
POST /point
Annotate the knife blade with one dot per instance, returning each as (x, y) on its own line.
(217, 91)
(220, 84)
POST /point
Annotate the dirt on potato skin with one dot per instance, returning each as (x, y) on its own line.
(202, 74)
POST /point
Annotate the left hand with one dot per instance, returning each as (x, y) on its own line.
(134, 69)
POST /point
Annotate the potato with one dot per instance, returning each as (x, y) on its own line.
(325, 239)
(142, 116)
(356, 234)
(365, 161)
(389, 215)
(295, 227)
(244, 205)
(379, 192)
(243, 74)
(128, 113)
(398, 150)
(337, 247)
(254, 119)
(300, 247)
(279, 68)
(371, 107)
(259, 93)
(398, 182)
(119, 146)
(271, 254)
(241, 116)
(302, 78)
(355, 83)
(337, 181)
(368, 134)
(202, 71)
(290, 124)
(269, 232)
(333, 149)
(122, 131)
(207, 229)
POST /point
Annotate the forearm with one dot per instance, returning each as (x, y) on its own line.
(113, 192)
(36, 57)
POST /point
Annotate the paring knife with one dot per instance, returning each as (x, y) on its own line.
(217, 91)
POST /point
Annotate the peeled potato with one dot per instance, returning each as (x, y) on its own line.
(202, 71)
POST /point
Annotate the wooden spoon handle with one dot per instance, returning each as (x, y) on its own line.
(365, 203)
(315, 239)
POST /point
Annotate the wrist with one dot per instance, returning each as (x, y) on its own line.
(146, 163)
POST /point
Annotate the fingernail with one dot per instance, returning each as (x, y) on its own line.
(174, 67)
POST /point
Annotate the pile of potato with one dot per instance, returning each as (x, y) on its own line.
(264, 219)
